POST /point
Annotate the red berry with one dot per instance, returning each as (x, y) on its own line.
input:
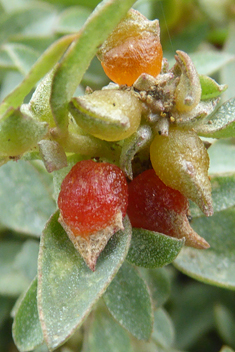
(154, 206)
(150, 201)
(91, 196)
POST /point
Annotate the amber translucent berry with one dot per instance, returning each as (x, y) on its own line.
(154, 206)
(132, 48)
(91, 196)
(181, 161)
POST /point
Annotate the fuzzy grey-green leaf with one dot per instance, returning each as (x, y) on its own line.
(210, 88)
(105, 334)
(25, 197)
(220, 124)
(67, 289)
(27, 332)
(152, 249)
(128, 300)
(216, 264)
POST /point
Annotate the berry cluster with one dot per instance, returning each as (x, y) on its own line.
(148, 106)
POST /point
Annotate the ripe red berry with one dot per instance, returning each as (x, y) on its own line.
(92, 196)
(156, 207)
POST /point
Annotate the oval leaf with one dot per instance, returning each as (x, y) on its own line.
(105, 334)
(221, 124)
(22, 56)
(26, 202)
(158, 282)
(67, 289)
(152, 249)
(225, 322)
(72, 19)
(12, 280)
(27, 332)
(128, 300)
(215, 265)
(210, 88)
(223, 189)
(163, 330)
(210, 61)
(221, 155)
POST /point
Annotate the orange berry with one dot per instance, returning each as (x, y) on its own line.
(132, 48)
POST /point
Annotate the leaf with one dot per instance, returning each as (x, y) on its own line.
(27, 332)
(18, 263)
(76, 60)
(72, 19)
(151, 249)
(210, 88)
(211, 61)
(220, 124)
(19, 133)
(67, 289)
(191, 321)
(225, 322)
(128, 300)
(25, 198)
(158, 282)
(44, 64)
(21, 56)
(228, 71)
(223, 188)
(215, 265)
(106, 335)
(32, 19)
(163, 330)
(221, 155)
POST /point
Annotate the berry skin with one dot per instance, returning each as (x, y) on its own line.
(154, 206)
(181, 161)
(91, 196)
(131, 49)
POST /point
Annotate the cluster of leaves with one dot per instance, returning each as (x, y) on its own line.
(63, 292)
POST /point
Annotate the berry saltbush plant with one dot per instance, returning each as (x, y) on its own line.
(131, 190)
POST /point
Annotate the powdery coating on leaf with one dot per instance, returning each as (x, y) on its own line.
(27, 332)
(131, 49)
(67, 288)
(221, 124)
(185, 166)
(91, 196)
(150, 249)
(129, 301)
(216, 265)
